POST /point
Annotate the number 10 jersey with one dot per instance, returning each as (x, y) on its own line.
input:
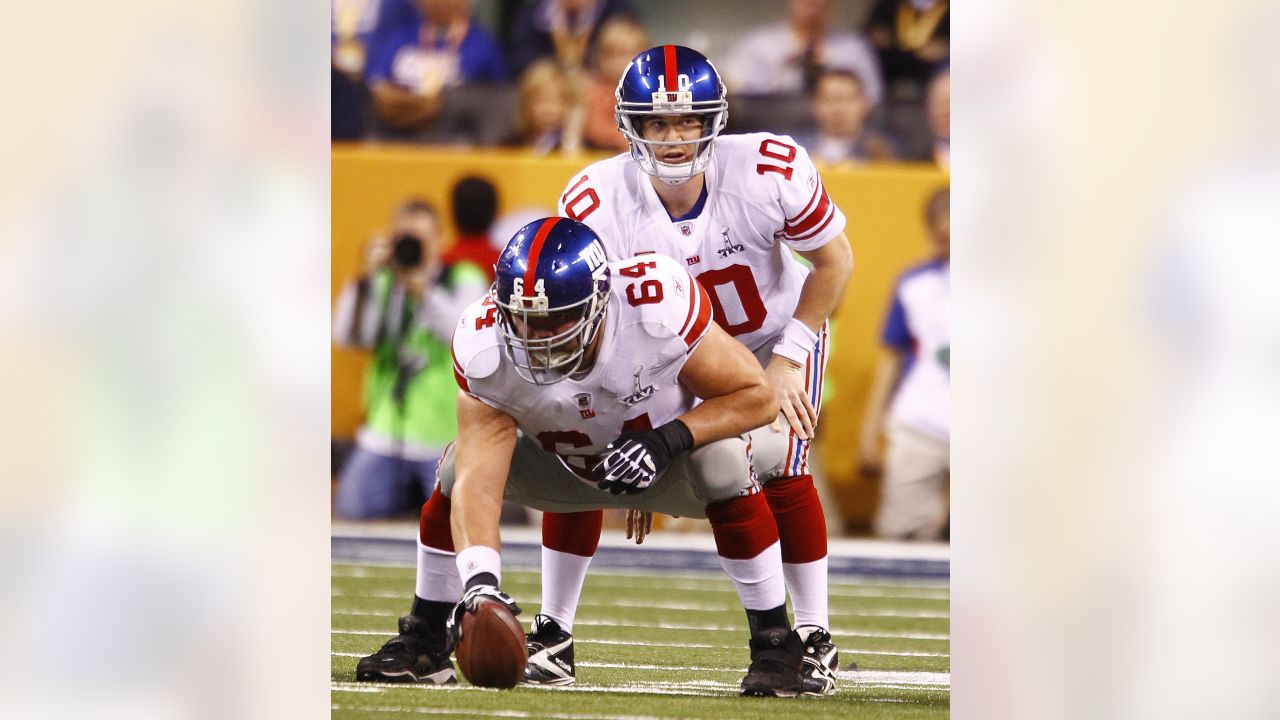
(763, 198)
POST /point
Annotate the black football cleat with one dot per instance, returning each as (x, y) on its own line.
(776, 657)
(550, 654)
(821, 659)
(416, 655)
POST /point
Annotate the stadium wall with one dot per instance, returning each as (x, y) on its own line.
(884, 206)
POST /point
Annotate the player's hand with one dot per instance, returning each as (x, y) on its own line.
(631, 463)
(453, 625)
(787, 378)
(639, 524)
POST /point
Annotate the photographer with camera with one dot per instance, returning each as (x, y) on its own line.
(402, 308)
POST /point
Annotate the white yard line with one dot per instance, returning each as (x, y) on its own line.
(687, 580)
(630, 622)
(860, 679)
(839, 634)
(846, 651)
(727, 589)
(490, 713)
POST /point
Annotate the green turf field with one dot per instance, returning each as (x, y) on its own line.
(661, 645)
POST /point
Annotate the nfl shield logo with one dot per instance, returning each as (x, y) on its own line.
(584, 405)
(685, 230)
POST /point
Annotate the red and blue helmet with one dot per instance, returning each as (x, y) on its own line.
(551, 289)
(670, 80)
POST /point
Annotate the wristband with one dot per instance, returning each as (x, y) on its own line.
(796, 343)
(676, 436)
(478, 559)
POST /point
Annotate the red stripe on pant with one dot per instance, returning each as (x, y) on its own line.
(573, 533)
(798, 514)
(433, 525)
(743, 527)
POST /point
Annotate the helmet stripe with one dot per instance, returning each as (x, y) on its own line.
(669, 61)
(535, 249)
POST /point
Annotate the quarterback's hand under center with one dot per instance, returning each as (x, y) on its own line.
(787, 378)
(639, 524)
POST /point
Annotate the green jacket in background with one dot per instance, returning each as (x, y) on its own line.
(409, 391)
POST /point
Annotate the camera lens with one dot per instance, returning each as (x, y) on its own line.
(407, 251)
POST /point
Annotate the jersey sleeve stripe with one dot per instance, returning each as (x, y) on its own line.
(695, 298)
(817, 192)
(701, 324)
(458, 373)
(535, 249)
(818, 230)
(813, 218)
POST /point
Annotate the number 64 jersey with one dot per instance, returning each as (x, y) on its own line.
(763, 198)
(657, 314)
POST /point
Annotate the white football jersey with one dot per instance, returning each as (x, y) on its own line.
(657, 315)
(764, 198)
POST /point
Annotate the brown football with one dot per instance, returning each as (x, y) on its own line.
(491, 652)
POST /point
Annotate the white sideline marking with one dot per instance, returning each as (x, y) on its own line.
(490, 713)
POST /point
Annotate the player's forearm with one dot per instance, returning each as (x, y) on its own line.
(824, 287)
(474, 516)
(482, 459)
(731, 415)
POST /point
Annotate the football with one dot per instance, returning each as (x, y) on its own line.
(491, 652)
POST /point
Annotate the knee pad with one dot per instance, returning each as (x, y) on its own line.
(722, 470)
(445, 474)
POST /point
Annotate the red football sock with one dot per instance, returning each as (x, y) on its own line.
(433, 525)
(575, 533)
(798, 513)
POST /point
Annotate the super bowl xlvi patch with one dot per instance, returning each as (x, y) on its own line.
(641, 393)
(730, 247)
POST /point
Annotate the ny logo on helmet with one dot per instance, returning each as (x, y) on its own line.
(594, 255)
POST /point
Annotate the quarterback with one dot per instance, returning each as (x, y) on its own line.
(730, 209)
(626, 395)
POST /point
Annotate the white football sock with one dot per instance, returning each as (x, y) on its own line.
(807, 584)
(757, 580)
(437, 577)
(563, 575)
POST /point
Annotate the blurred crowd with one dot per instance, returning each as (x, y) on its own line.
(541, 75)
